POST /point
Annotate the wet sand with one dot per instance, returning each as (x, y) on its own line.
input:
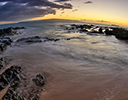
(71, 79)
(84, 68)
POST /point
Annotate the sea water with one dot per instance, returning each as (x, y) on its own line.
(86, 67)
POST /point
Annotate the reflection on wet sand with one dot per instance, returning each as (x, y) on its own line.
(70, 79)
(77, 66)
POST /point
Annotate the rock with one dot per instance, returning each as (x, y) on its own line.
(2, 47)
(109, 32)
(2, 63)
(119, 33)
(84, 26)
(15, 84)
(1, 87)
(83, 30)
(4, 42)
(68, 39)
(56, 40)
(10, 74)
(100, 30)
(34, 39)
(39, 80)
(10, 31)
(12, 95)
(36, 97)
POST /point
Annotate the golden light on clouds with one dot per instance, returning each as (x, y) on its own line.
(104, 11)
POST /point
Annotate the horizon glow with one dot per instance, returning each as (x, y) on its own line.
(110, 11)
(104, 11)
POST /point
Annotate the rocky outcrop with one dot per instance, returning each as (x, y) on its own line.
(3, 62)
(10, 31)
(11, 74)
(29, 40)
(13, 78)
(119, 33)
(12, 95)
(4, 42)
(36, 39)
(39, 80)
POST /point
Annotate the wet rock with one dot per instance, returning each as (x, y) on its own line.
(109, 32)
(2, 87)
(36, 97)
(3, 47)
(34, 39)
(57, 40)
(10, 74)
(100, 30)
(83, 30)
(2, 63)
(15, 84)
(12, 78)
(4, 42)
(84, 26)
(39, 80)
(51, 39)
(17, 28)
(119, 33)
(68, 39)
(12, 95)
(9, 31)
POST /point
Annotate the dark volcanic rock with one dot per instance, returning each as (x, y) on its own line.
(83, 30)
(2, 63)
(3, 47)
(39, 80)
(51, 39)
(119, 33)
(13, 77)
(109, 32)
(100, 30)
(4, 42)
(12, 95)
(10, 74)
(17, 28)
(34, 39)
(10, 31)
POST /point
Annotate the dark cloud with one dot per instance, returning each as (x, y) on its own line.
(88, 2)
(17, 10)
(74, 10)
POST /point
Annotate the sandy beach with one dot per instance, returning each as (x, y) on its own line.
(76, 66)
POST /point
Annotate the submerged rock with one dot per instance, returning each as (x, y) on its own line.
(34, 39)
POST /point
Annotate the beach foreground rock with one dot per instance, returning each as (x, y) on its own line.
(14, 79)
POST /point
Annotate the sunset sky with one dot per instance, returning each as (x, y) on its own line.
(107, 11)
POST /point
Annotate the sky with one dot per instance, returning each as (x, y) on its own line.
(101, 11)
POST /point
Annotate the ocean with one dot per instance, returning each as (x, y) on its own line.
(86, 67)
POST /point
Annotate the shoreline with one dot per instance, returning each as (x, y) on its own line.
(67, 78)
